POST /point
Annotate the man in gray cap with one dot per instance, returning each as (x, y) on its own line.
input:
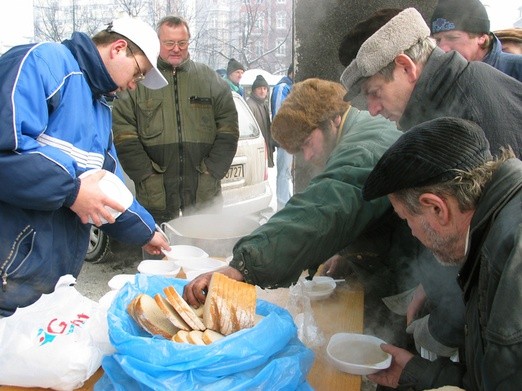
(465, 206)
(464, 26)
(392, 60)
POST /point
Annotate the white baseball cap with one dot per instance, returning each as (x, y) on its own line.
(147, 40)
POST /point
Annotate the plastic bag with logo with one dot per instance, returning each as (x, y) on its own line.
(268, 356)
(57, 342)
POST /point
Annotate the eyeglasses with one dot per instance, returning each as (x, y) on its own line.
(140, 76)
(171, 44)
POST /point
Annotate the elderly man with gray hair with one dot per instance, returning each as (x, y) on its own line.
(465, 206)
(391, 59)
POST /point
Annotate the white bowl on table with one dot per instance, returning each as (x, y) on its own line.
(119, 280)
(357, 354)
(193, 266)
(158, 267)
(184, 251)
(320, 287)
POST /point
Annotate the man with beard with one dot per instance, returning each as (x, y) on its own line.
(465, 206)
(329, 215)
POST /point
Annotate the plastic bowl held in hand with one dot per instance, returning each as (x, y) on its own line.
(357, 354)
(158, 267)
(113, 187)
(183, 251)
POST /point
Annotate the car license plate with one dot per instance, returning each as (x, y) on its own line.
(235, 172)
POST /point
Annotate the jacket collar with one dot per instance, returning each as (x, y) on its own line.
(436, 81)
(505, 183)
(166, 66)
(90, 62)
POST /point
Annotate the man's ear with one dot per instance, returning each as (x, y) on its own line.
(405, 64)
(117, 46)
(436, 207)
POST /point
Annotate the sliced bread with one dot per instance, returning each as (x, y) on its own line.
(146, 312)
(195, 337)
(183, 309)
(171, 313)
(210, 336)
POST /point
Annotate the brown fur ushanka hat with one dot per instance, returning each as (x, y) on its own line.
(310, 105)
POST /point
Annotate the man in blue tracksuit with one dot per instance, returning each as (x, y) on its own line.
(55, 124)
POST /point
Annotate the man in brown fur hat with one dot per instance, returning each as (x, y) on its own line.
(329, 215)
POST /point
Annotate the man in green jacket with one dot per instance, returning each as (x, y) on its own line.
(178, 142)
(330, 214)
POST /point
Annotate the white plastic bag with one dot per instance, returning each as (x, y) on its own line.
(58, 342)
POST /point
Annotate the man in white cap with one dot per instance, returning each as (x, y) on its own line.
(56, 125)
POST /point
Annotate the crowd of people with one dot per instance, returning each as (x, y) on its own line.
(419, 192)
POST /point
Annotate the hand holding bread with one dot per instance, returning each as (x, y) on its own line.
(195, 292)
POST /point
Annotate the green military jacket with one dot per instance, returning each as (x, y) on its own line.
(327, 216)
(178, 142)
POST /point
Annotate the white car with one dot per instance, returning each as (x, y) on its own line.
(246, 190)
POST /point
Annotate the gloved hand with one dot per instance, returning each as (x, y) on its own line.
(423, 338)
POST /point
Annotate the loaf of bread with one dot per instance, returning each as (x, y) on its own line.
(230, 305)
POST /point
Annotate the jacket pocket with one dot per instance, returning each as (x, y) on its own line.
(15, 263)
(151, 192)
(208, 191)
(150, 118)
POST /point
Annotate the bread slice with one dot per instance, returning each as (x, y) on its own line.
(144, 310)
(181, 336)
(210, 310)
(171, 313)
(196, 337)
(183, 309)
(210, 336)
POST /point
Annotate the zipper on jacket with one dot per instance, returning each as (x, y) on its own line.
(26, 232)
(180, 143)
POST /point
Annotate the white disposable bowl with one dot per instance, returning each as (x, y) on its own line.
(320, 287)
(184, 251)
(357, 354)
(158, 267)
(119, 280)
(200, 265)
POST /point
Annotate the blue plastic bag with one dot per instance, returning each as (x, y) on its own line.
(268, 356)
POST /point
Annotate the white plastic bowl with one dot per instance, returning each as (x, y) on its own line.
(119, 280)
(320, 287)
(183, 251)
(201, 265)
(357, 354)
(158, 267)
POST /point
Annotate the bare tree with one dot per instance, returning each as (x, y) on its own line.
(49, 24)
(132, 8)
